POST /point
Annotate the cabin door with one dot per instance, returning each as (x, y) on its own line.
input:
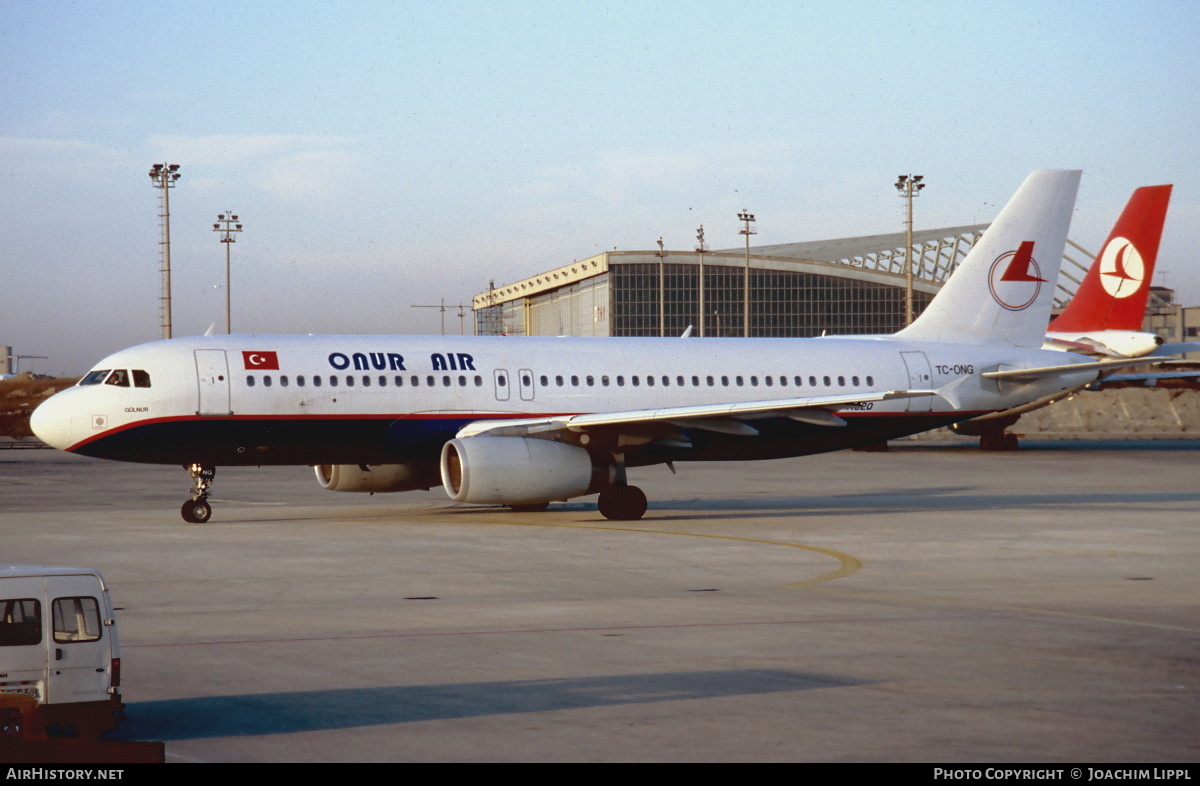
(212, 383)
(920, 376)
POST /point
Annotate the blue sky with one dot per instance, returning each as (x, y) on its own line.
(386, 154)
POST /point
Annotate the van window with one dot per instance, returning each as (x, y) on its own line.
(20, 622)
(76, 619)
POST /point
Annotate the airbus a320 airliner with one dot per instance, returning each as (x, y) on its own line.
(526, 421)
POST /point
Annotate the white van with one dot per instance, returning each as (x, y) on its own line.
(58, 644)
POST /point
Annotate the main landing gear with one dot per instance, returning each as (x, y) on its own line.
(197, 510)
(621, 501)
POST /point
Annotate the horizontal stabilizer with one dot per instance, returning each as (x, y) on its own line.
(1030, 374)
(1150, 379)
(1177, 348)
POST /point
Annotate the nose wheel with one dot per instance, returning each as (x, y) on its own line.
(197, 510)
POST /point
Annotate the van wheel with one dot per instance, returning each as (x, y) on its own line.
(196, 511)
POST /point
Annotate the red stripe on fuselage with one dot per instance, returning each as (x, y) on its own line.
(473, 416)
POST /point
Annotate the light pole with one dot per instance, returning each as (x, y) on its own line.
(662, 288)
(747, 219)
(700, 249)
(163, 177)
(909, 187)
(442, 308)
(227, 218)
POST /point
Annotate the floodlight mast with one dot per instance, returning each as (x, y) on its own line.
(442, 308)
(662, 288)
(230, 227)
(163, 177)
(747, 218)
(909, 187)
(701, 249)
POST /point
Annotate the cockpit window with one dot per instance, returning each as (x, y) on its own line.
(141, 379)
(119, 377)
(95, 377)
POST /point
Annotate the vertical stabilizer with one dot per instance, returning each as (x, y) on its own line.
(1003, 290)
(1114, 291)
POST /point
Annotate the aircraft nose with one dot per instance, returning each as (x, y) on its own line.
(51, 422)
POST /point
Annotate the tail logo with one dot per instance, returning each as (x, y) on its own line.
(1122, 269)
(1015, 279)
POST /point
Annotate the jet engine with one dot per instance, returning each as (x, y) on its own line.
(517, 471)
(377, 477)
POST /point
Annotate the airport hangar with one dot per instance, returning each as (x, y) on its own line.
(845, 286)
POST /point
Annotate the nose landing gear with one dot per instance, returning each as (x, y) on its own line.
(197, 510)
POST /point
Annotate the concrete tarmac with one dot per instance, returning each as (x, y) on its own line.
(920, 605)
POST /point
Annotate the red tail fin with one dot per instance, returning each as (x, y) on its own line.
(1114, 291)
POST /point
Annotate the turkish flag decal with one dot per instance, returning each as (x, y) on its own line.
(260, 361)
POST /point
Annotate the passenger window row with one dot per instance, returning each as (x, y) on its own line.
(679, 380)
(366, 381)
(558, 380)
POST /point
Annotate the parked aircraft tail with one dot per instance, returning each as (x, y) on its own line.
(1113, 294)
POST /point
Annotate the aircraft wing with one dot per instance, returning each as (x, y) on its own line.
(725, 418)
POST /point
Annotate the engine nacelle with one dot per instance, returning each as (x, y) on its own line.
(1130, 344)
(514, 470)
(1117, 343)
(377, 477)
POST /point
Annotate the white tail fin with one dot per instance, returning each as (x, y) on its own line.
(1004, 289)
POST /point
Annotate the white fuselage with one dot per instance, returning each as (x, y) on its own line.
(367, 399)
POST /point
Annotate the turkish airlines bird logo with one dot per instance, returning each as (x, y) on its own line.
(1122, 269)
(1015, 279)
(260, 361)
